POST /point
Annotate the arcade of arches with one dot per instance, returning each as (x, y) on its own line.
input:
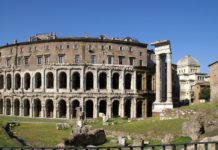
(114, 92)
(126, 107)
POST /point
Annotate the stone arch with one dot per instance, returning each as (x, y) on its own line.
(37, 107)
(76, 81)
(38, 80)
(8, 107)
(8, 81)
(49, 80)
(89, 109)
(139, 109)
(16, 107)
(75, 104)
(27, 80)
(49, 107)
(17, 81)
(127, 108)
(139, 82)
(62, 107)
(1, 106)
(115, 108)
(1, 81)
(102, 80)
(115, 81)
(128, 80)
(103, 106)
(89, 81)
(26, 104)
(62, 80)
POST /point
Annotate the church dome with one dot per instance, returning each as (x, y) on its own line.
(188, 61)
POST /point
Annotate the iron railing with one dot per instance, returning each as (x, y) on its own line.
(186, 146)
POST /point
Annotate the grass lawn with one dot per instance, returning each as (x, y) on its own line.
(41, 134)
(35, 131)
(152, 125)
(202, 107)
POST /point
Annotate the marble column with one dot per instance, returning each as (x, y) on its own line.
(158, 81)
(169, 78)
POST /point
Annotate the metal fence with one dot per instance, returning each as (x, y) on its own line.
(187, 146)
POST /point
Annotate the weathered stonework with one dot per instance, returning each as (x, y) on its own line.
(214, 81)
(45, 78)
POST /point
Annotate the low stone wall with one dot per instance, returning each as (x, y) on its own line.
(168, 114)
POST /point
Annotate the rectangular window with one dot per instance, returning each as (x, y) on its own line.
(61, 47)
(77, 59)
(19, 59)
(47, 59)
(76, 46)
(131, 60)
(46, 47)
(110, 47)
(102, 47)
(61, 59)
(121, 48)
(93, 59)
(140, 63)
(120, 59)
(8, 61)
(140, 53)
(68, 46)
(26, 60)
(130, 49)
(30, 49)
(39, 60)
(109, 59)
(90, 47)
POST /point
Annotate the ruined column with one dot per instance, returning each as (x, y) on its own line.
(158, 81)
(169, 78)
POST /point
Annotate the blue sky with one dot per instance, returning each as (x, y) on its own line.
(191, 25)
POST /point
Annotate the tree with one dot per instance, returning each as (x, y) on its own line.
(205, 93)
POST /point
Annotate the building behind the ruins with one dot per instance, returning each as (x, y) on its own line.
(214, 81)
(49, 77)
(188, 70)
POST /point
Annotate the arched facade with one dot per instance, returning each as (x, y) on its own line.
(17, 107)
(76, 81)
(27, 81)
(99, 79)
(17, 81)
(38, 80)
(49, 80)
(49, 108)
(89, 81)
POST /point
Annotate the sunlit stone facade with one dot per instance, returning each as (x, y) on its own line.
(48, 77)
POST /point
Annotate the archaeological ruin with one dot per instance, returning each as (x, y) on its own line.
(49, 76)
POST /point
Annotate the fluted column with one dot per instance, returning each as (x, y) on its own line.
(158, 81)
(169, 78)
